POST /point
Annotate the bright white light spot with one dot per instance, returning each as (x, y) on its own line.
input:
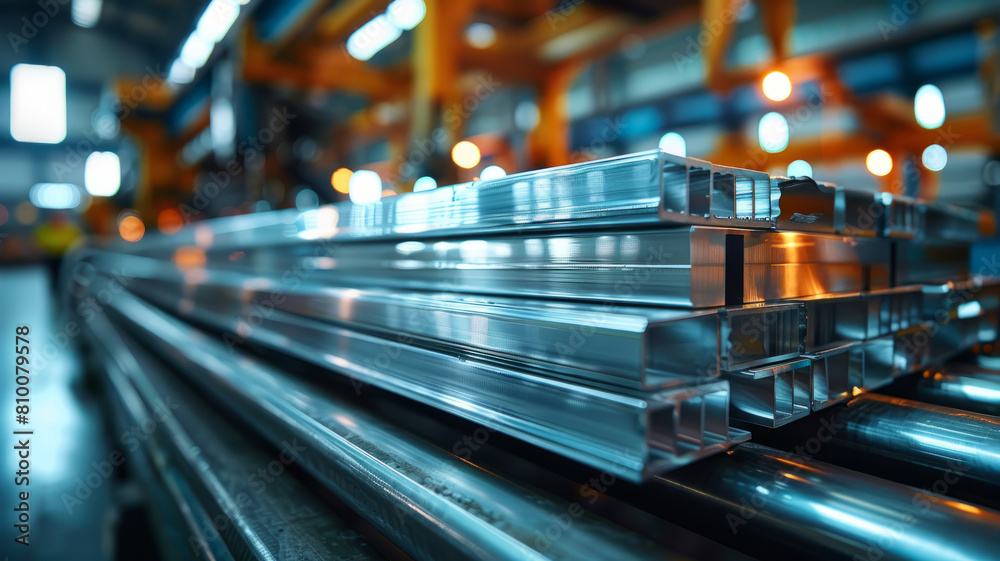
(217, 19)
(928, 107)
(526, 115)
(365, 187)
(492, 172)
(935, 157)
(196, 50)
(102, 174)
(37, 103)
(306, 199)
(800, 168)
(406, 14)
(673, 143)
(772, 132)
(481, 35)
(372, 37)
(85, 13)
(969, 310)
(879, 162)
(180, 73)
(776, 86)
(55, 195)
(424, 184)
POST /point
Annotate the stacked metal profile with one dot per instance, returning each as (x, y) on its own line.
(618, 313)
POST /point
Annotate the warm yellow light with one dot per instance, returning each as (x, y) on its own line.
(131, 229)
(387, 193)
(879, 162)
(341, 180)
(465, 154)
(777, 86)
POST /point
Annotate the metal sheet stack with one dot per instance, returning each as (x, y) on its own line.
(620, 313)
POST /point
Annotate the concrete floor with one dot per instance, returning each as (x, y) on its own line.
(69, 443)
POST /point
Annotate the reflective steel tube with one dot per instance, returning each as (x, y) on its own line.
(254, 518)
(764, 500)
(934, 436)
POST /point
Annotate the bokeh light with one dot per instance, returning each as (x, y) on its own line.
(776, 86)
(341, 180)
(465, 154)
(131, 228)
(879, 162)
(673, 143)
(169, 221)
(935, 157)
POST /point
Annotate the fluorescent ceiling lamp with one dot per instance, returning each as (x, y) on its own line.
(196, 50)
(406, 14)
(37, 104)
(85, 13)
(102, 174)
(180, 73)
(217, 19)
(372, 37)
(54, 195)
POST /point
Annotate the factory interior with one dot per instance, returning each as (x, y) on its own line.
(352, 279)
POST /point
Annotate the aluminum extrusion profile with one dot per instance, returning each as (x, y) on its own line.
(631, 434)
(772, 395)
(948, 222)
(626, 346)
(836, 370)
(451, 509)
(840, 318)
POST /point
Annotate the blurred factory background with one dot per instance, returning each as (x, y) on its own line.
(141, 116)
(131, 120)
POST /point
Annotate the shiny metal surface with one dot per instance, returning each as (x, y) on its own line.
(253, 517)
(631, 434)
(676, 267)
(939, 437)
(949, 222)
(772, 395)
(624, 346)
(836, 370)
(840, 318)
(771, 501)
(429, 502)
(969, 388)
